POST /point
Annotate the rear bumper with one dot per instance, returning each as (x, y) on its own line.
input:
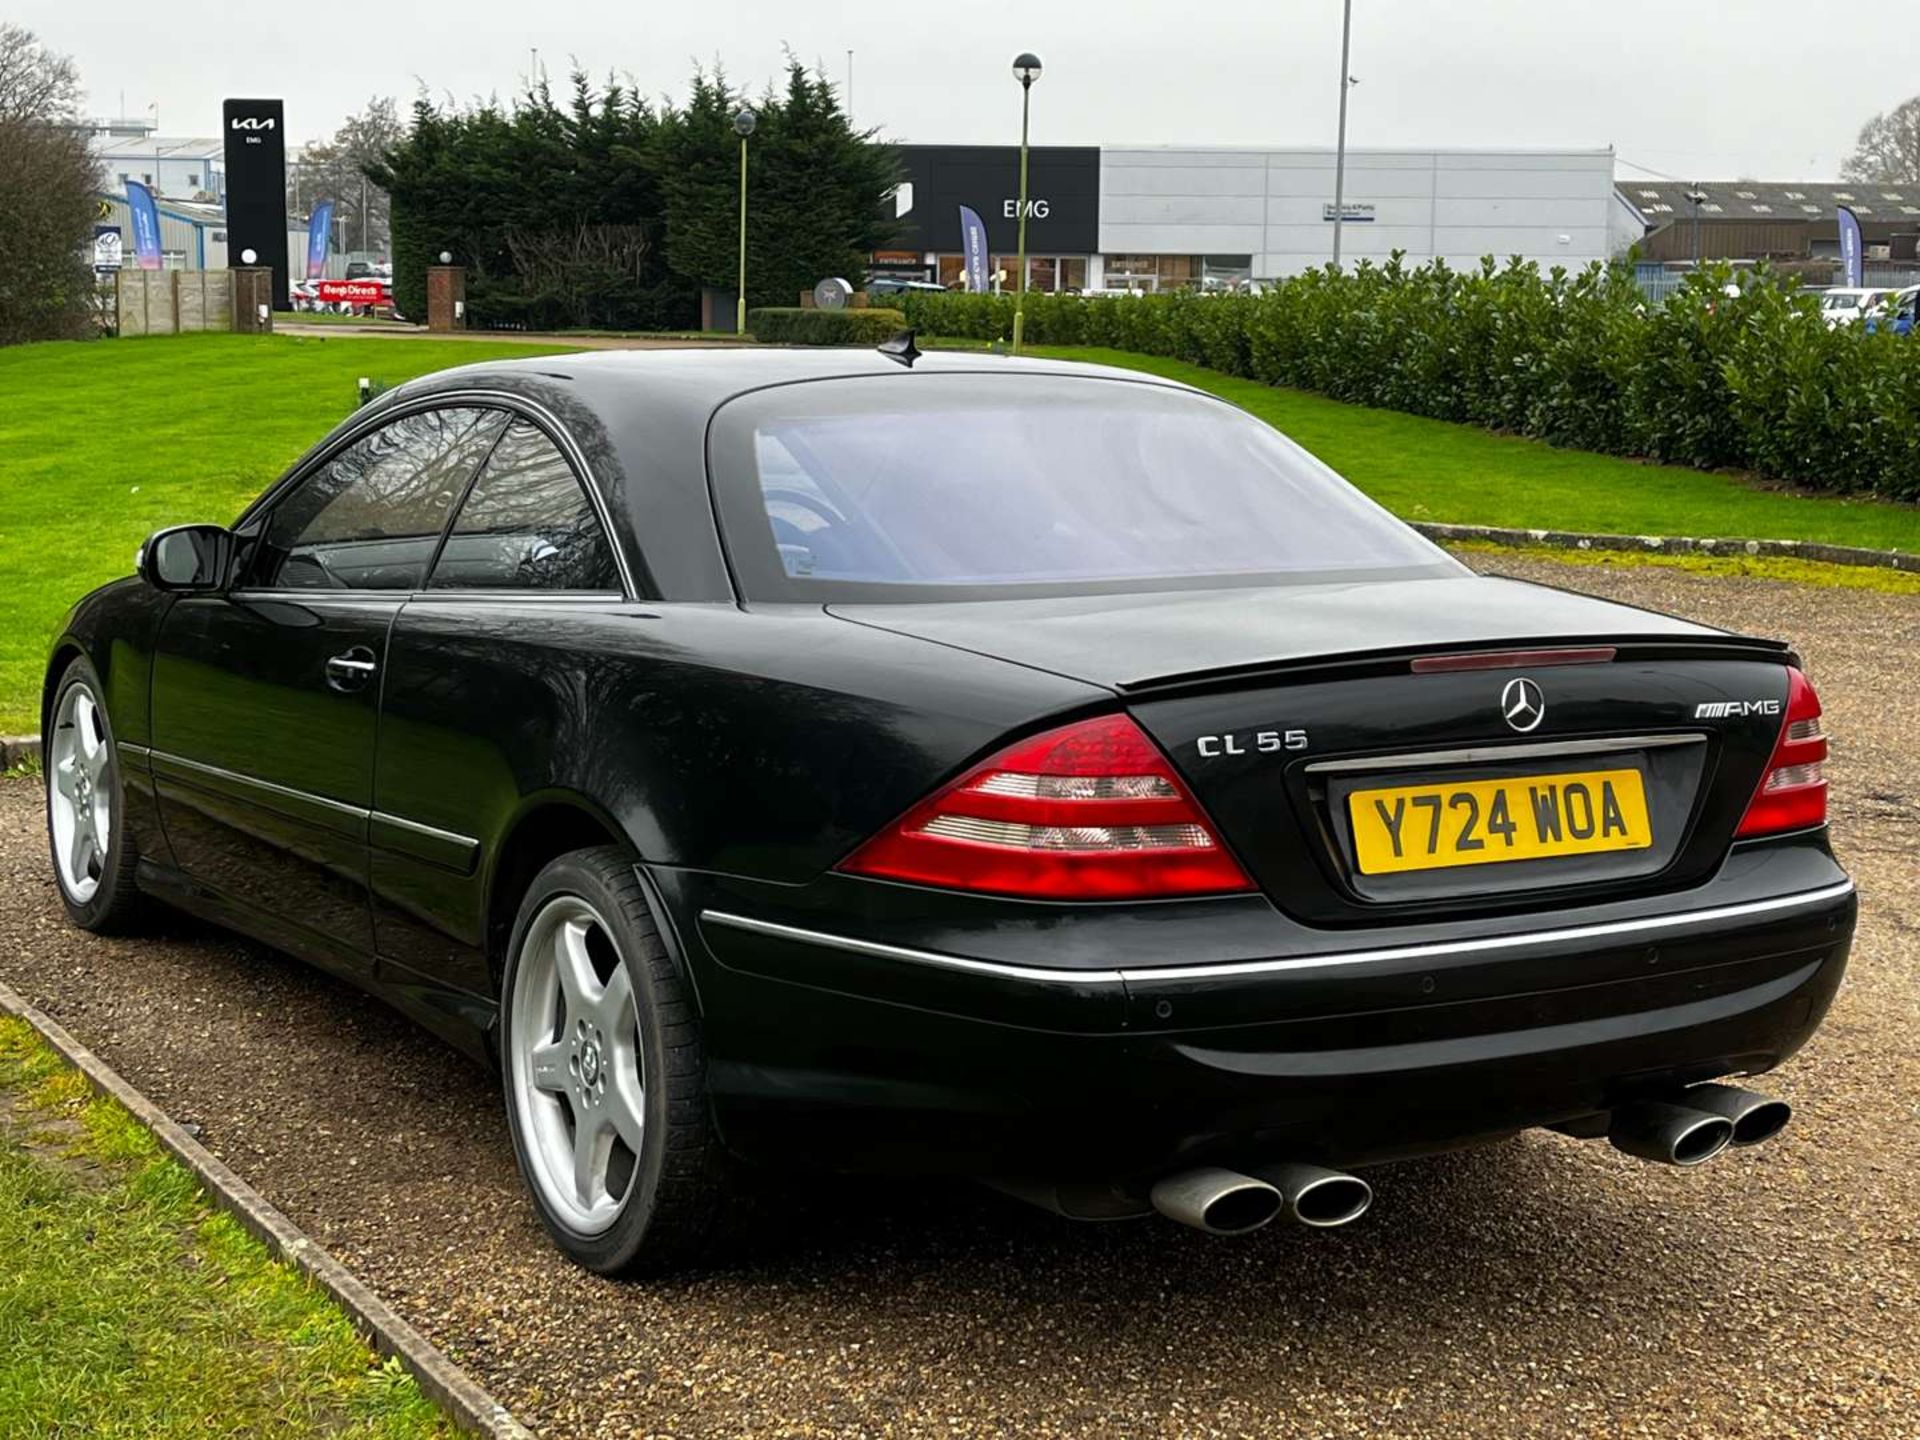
(832, 1049)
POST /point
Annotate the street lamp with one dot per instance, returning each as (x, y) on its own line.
(1695, 198)
(1340, 147)
(1026, 69)
(743, 127)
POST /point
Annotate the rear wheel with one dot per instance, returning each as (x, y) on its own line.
(604, 1073)
(93, 855)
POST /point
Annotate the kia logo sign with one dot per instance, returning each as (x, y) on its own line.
(252, 122)
(1036, 209)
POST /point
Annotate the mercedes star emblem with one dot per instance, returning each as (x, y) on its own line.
(1523, 704)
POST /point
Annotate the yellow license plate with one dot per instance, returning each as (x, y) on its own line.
(1482, 822)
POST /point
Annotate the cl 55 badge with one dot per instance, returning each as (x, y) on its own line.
(1260, 742)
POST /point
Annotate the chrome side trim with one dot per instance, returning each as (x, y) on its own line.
(131, 751)
(1479, 754)
(431, 832)
(1652, 924)
(235, 780)
(876, 950)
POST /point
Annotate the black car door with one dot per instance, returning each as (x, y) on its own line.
(266, 698)
(480, 677)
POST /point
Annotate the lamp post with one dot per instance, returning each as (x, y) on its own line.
(1340, 147)
(743, 127)
(1694, 198)
(1026, 69)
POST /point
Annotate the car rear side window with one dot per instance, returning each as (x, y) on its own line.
(369, 518)
(964, 485)
(526, 525)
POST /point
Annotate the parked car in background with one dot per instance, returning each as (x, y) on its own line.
(1848, 305)
(793, 760)
(895, 285)
(1897, 314)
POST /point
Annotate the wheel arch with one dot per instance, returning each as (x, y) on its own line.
(65, 651)
(548, 825)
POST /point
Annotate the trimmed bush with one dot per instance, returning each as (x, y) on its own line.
(800, 325)
(1752, 381)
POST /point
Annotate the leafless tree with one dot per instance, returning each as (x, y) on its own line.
(36, 85)
(1888, 150)
(336, 170)
(47, 184)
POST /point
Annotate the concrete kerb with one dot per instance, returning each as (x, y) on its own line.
(1676, 545)
(456, 1392)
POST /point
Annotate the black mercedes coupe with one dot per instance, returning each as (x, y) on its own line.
(950, 765)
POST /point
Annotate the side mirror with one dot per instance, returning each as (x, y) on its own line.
(189, 559)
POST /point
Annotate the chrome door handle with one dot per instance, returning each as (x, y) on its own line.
(351, 670)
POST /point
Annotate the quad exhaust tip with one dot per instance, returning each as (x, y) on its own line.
(1755, 1117)
(1697, 1124)
(1227, 1202)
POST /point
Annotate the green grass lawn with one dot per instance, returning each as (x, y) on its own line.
(103, 442)
(131, 1309)
(1432, 470)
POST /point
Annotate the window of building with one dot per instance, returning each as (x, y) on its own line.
(369, 519)
(1796, 194)
(1744, 195)
(1888, 195)
(526, 525)
(1843, 195)
(1073, 272)
(1763, 209)
(1811, 209)
(1649, 194)
(1662, 206)
(1712, 207)
(1863, 209)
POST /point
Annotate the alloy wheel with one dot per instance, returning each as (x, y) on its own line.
(80, 793)
(576, 1069)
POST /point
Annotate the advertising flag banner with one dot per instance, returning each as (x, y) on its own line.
(319, 227)
(1853, 255)
(146, 225)
(973, 244)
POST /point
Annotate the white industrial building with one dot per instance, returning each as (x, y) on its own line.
(1180, 216)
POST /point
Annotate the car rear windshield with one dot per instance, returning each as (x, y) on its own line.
(963, 484)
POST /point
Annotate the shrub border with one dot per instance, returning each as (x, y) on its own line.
(470, 1407)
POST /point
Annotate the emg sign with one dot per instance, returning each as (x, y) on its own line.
(1036, 209)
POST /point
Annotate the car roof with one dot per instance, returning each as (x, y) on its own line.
(707, 376)
(641, 420)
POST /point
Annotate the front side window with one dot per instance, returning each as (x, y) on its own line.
(370, 518)
(928, 487)
(526, 525)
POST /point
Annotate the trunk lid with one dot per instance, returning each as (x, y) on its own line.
(1297, 715)
(1155, 640)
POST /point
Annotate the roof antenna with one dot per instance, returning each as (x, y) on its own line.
(901, 348)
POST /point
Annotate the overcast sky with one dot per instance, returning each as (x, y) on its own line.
(1765, 89)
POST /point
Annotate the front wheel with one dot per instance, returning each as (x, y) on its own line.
(604, 1073)
(93, 855)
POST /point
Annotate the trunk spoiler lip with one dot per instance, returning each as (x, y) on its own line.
(1399, 659)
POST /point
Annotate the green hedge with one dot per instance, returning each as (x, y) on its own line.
(1753, 381)
(800, 325)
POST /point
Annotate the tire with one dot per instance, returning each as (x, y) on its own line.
(86, 806)
(653, 1193)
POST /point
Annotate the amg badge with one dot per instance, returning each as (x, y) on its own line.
(1725, 709)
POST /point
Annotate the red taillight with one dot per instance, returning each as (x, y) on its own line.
(1793, 792)
(1091, 811)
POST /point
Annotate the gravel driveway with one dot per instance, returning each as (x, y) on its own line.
(1538, 1287)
